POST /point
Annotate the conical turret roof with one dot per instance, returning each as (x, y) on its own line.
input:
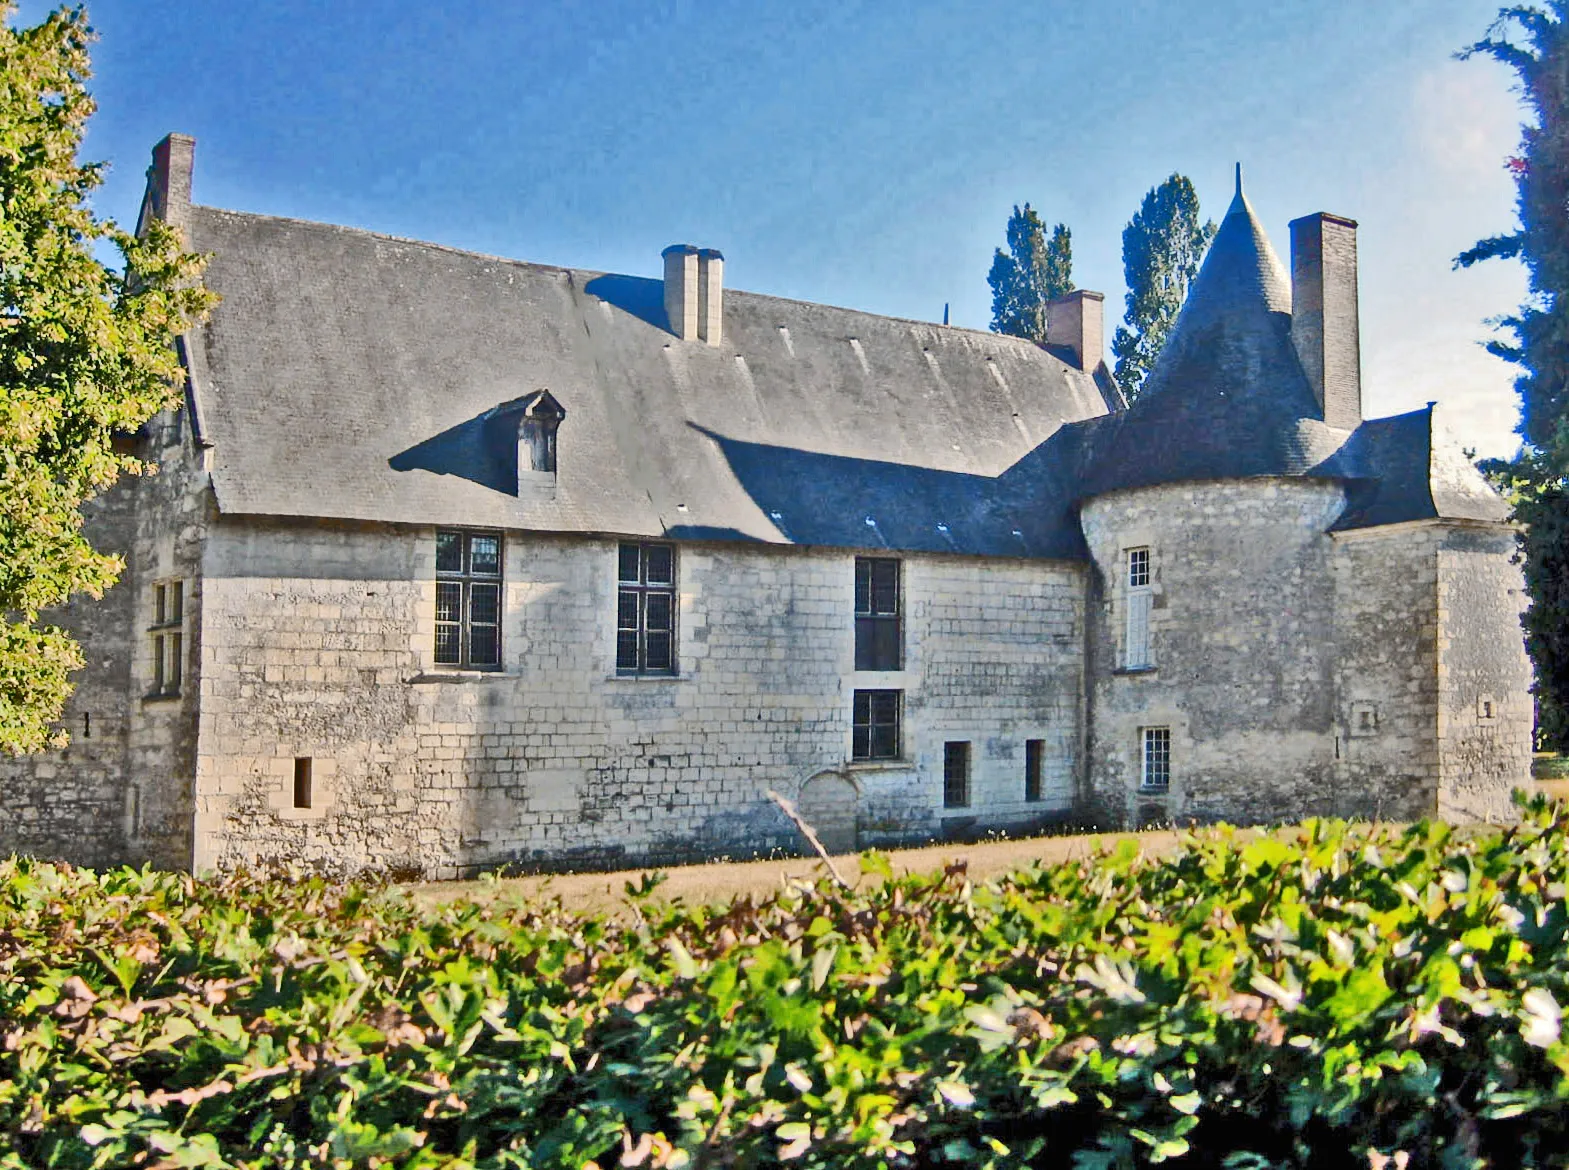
(1227, 397)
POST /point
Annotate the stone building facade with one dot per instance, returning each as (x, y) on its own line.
(453, 562)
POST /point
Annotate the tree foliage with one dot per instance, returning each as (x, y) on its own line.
(1534, 42)
(1162, 247)
(85, 354)
(1033, 271)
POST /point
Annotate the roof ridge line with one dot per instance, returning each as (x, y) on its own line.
(568, 270)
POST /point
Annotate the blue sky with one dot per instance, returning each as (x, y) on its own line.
(856, 154)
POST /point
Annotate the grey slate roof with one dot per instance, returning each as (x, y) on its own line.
(1228, 399)
(347, 375)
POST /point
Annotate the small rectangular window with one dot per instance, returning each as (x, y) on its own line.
(1156, 773)
(956, 775)
(875, 725)
(878, 633)
(1138, 568)
(468, 599)
(1034, 768)
(171, 675)
(646, 609)
(302, 782)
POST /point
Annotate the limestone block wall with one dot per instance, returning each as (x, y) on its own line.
(995, 658)
(121, 791)
(1485, 716)
(319, 644)
(1386, 670)
(1249, 661)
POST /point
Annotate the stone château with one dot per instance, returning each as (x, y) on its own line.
(452, 562)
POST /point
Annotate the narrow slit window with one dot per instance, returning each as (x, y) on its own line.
(171, 678)
(167, 634)
(1034, 768)
(956, 774)
(302, 782)
(1138, 599)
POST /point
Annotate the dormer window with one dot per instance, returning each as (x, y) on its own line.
(531, 423)
(537, 433)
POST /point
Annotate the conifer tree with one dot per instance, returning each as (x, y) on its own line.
(1534, 41)
(85, 354)
(1033, 271)
(1161, 250)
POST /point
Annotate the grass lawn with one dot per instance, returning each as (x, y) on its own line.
(719, 882)
(722, 881)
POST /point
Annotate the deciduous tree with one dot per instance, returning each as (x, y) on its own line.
(1161, 250)
(85, 354)
(1033, 271)
(1534, 41)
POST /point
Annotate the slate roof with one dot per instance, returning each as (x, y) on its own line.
(348, 375)
(1228, 399)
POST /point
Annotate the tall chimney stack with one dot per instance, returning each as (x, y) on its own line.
(710, 295)
(681, 290)
(1077, 322)
(168, 194)
(1324, 327)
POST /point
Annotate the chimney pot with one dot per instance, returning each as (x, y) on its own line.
(1324, 328)
(1077, 322)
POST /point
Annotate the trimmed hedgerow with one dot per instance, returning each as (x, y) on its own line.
(1332, 995)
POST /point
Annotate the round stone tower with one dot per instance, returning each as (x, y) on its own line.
(1268, 630)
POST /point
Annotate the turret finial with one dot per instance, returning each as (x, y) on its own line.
(1239, 181)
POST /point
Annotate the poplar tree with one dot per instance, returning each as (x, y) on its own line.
(85, 355)
(1033, 271)
(1533, 40)
(1162, 247)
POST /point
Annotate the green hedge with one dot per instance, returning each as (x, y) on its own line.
(1331, 996)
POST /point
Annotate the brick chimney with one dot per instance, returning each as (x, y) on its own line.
(1324, 314)
(681, 290)
(1078, 322)
(168, 195)
(710, 295)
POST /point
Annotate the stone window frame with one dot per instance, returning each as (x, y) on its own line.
(1138, 603)
(1155, 759)
(167, 633)
(1363, 719)
(879, 614)
(646, 647)
(470, 583)
(876, 725)
(956, 789)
